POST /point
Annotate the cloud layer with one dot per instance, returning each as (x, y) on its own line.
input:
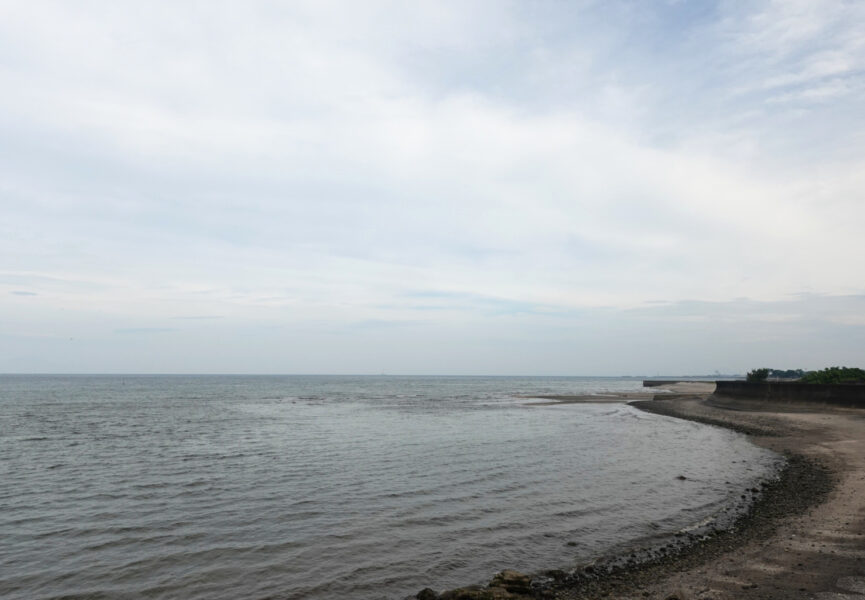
(464, 187)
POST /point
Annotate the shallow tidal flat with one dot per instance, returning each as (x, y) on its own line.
(316, 487)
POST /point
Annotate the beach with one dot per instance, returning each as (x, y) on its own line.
(803, 535)
(817, 551)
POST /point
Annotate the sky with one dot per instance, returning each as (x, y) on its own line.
(447, 187)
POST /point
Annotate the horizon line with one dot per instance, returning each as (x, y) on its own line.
(193, 374)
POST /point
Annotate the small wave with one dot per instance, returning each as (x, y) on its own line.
(228, 494)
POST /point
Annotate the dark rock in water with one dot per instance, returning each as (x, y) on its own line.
(463, 593)
(512, 581)
(507, 585)
(681, 477)
(427, 594)
(475, 592)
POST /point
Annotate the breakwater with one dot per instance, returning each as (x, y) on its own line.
(661, 382)
(850, 395)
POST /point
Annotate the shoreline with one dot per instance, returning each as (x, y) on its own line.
(801, 485)
(803, 536)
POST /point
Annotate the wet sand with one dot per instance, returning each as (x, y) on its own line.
(682, 388)
(817, 551)
(804, 536)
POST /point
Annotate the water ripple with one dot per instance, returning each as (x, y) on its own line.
(320, 487)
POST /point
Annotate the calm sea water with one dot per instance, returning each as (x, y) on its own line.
(321, 487)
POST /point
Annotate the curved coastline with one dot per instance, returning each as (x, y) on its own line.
(788, 541)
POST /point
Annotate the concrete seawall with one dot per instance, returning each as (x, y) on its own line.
(660, 382)
(850, 395)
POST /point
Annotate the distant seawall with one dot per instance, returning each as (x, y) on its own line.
(839, 394)
(660, 382)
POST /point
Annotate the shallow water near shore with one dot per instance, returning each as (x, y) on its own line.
(321, 487)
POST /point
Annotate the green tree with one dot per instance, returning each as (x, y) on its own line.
(835, 375)
(758, 375)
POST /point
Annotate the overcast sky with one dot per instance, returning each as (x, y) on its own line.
(576, 188)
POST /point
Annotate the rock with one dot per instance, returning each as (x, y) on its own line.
(463, 593)
(475, 592)
(507, 585)
(556, 574)
(512, 581)
(427, 594)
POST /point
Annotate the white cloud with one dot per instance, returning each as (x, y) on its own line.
(318, 163)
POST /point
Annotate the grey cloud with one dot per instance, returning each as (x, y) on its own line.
(549, 165)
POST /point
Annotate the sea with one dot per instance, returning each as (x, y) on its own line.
(318, 487)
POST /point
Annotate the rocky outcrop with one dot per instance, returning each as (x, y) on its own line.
(513, 582)
(507, 585)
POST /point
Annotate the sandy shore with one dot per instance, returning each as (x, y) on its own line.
(804, 536)
(817, 553)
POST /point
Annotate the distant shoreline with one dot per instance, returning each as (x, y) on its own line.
(673, 388)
